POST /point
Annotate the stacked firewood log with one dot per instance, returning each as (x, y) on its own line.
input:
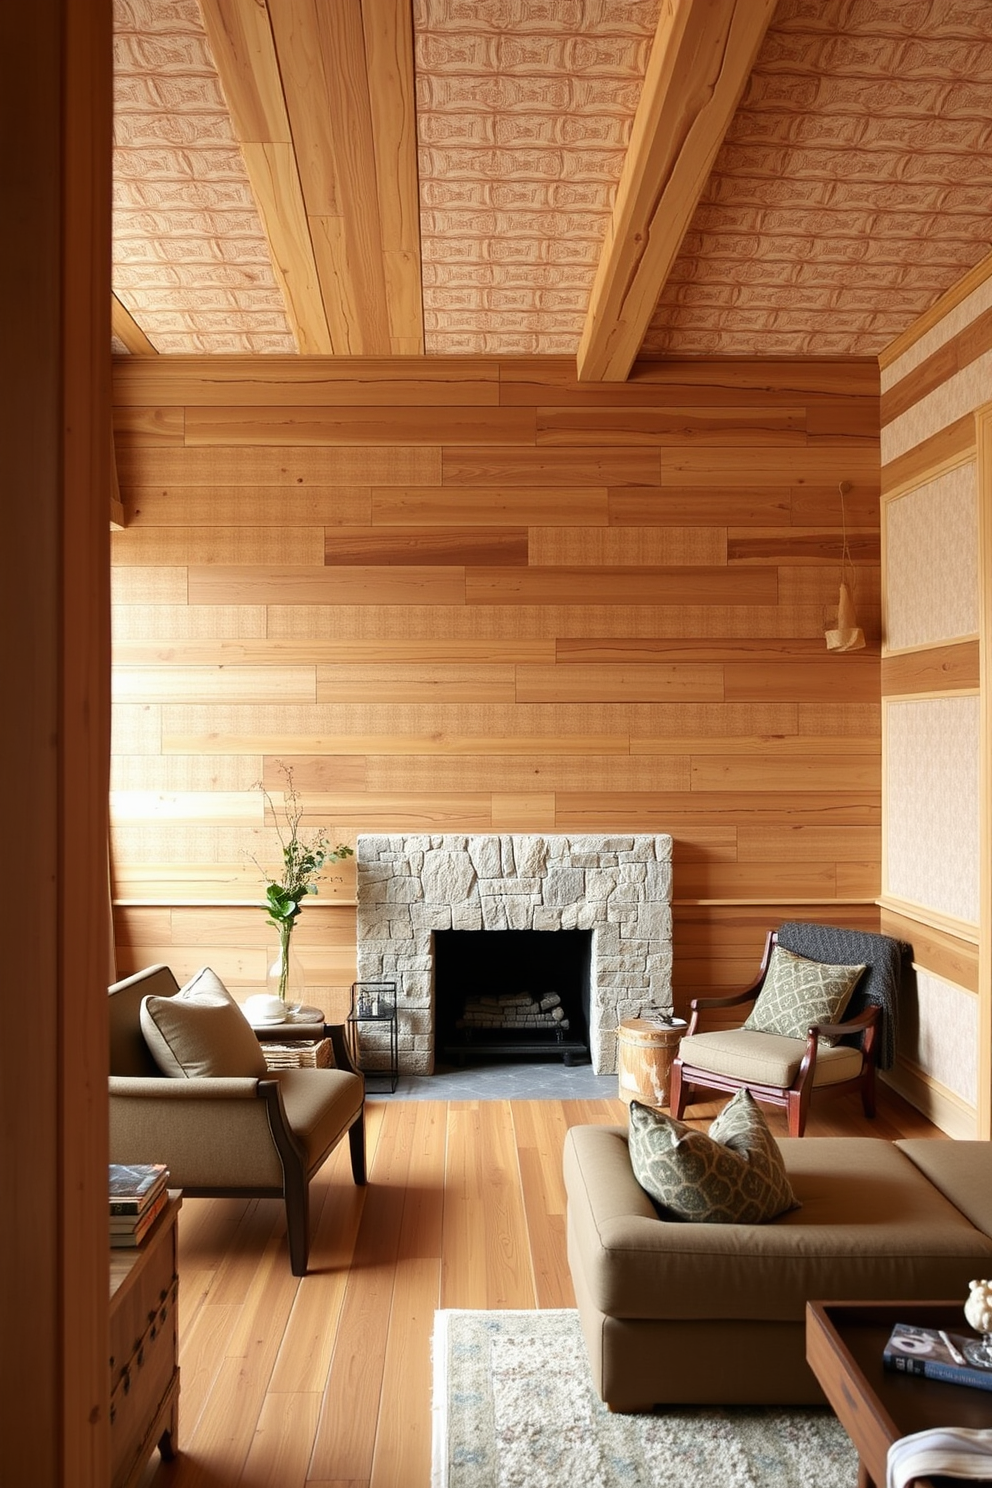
(520, 1010)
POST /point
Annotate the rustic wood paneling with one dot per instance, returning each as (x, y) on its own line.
(478, 596)
(937, 669)
(405, 545)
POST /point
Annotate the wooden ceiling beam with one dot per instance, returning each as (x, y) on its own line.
(127, 330)
(245, 55)
(701, 58)
(389, 57)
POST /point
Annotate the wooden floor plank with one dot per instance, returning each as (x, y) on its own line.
(345, 1439)
(464, 1208)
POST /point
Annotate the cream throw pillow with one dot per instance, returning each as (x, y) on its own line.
(201, 1031)
(798, 992)
(732, 1174)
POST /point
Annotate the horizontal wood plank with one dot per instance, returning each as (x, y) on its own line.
(489, 506)
(353, 586)
(149, 546)
(242, 466)
(675, 505)
(439, 682)
(610, 465)
(408, 545)
(320, 381)
(799, 545)
(644, 682)
(573, 585)
(776, 772)
(674, 426)
(622, 650)
(260, 506)
(849, 675)
(610, 547)
(321, 426)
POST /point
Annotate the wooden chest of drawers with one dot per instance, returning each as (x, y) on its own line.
(144, 1369)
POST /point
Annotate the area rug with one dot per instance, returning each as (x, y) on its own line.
(515, 1407)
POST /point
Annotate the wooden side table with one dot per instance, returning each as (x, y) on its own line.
(144, 1350)
(645, 1050)
(876, 1406)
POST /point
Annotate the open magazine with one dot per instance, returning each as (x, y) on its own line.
(937, 1355)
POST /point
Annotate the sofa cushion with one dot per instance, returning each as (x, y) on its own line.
(962, 1171)
(870, 1226)
(767, 1058)
(320, 1104)
(732, 1174)
(797, 993)
(201, 1031)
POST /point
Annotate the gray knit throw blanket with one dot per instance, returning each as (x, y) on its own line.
(880, 984)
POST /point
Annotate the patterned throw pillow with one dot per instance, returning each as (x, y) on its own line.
(732, 1174)
(797, 993)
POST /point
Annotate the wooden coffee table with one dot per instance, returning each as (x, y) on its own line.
(877, 1406)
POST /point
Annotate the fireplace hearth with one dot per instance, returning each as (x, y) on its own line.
(411, 888)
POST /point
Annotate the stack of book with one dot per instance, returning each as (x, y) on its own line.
(938, 1355)
(138, 1194)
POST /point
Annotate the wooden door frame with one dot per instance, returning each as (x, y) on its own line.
(55, 104)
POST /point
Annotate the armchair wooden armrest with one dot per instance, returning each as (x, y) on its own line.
(869, 1018)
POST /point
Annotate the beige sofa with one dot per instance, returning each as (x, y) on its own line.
(677, 1313)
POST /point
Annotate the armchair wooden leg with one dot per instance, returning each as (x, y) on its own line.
(298, 1224)
(356, 1141)
(676, 1090)
(797, 1105)
(868, 1091)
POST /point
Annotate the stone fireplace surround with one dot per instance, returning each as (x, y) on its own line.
(617, 886)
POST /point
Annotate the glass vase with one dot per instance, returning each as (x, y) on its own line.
(284, 977)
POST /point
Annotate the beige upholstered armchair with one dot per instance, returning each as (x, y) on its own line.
(783, 1065)
(261, 1134)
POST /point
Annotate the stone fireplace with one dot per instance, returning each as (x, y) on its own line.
(618, 887)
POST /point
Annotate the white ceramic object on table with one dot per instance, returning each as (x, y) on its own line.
(264, 1009)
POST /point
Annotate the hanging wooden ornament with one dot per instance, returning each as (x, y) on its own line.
(846, 634)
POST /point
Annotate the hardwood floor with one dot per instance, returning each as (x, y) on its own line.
(325, 1381)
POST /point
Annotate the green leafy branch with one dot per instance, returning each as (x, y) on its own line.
(304, 854)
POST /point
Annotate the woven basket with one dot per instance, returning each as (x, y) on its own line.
(299, 1055)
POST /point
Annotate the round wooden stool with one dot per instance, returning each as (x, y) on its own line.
(645, 1050)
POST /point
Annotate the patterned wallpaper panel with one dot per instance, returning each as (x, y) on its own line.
(931, 833)
(940, 1034)
(931, 538)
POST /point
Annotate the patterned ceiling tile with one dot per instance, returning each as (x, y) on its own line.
(854, 185)
(524, 110)
(191, 262)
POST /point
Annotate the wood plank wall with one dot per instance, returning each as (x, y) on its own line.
(474, 595)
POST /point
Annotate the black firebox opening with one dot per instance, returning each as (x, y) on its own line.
(507, 993)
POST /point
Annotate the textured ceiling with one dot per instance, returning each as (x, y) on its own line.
(853, 187)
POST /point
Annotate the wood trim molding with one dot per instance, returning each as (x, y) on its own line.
(701, 59)
(937, 951)
(951, 446)
(938, 1104)
(983, 427)
(948, 301)
(961, 929)
(951, 667)
(127, 330)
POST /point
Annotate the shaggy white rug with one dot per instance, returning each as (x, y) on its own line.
(514, 1407)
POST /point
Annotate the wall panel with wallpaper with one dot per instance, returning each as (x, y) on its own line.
(936, 578)
(473, 595)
